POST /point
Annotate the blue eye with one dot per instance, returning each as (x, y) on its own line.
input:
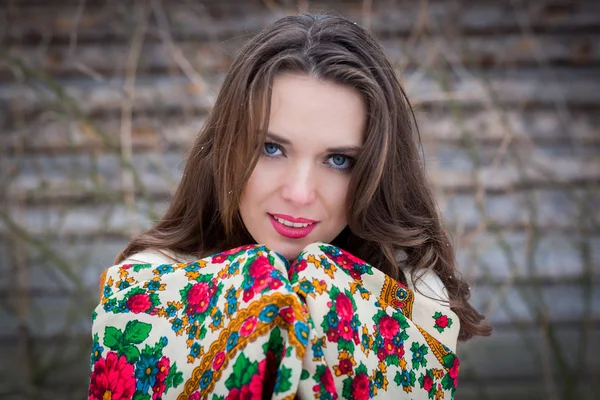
(271, 149)
(340, 161)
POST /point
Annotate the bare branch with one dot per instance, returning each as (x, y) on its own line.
(176, 51)
(127, 104)
(75, 30)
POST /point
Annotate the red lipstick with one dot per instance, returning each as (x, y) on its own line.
(289, 231)
(292, 219)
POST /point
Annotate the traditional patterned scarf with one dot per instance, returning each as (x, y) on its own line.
(246, 324)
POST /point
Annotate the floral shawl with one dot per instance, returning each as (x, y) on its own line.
(245, 324)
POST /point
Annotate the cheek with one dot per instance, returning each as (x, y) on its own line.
(265, 171)
(254, 191)
(335, 192)
(248, 198)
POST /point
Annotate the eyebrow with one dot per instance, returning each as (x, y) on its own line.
(342, 149)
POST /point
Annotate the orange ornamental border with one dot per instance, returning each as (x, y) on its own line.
(102, 283)
(436, 346)
(388, 296)
(278, 299)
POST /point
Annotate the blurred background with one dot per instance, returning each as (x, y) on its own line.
(99, 101)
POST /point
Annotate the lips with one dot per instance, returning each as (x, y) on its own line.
(292, 232)
(289, 218)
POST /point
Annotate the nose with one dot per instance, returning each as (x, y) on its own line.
(299, 185)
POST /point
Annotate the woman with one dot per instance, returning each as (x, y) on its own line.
(302, 253)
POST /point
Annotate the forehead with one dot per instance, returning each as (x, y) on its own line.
(307, 110)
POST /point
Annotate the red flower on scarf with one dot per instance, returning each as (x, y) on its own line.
(360, 387)
(248, 295)
(345, 330)
(275, 284)
(222, 256)
(248, 326)
(262, 282)
(242, 393)
(442, 321)
(263, 382)
(218, 361)
(257, 381)
(388, 327)
(454, 371)
(355, 337)
(345, 366)
(347, 259)
(332, 335)
(198, 297)
(260, 267)
(400, 351)
(381, 354)
(219, 258)
(112, 378)
(287, 314)
(354, 274)
(344, 307)
(427, 382)
(327, 380)
(389, 347)
(164, 366)
(158, 389)
(299, 266)
(139, 303)
(260, 271)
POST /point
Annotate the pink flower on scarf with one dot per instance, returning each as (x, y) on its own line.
(327, 380)
(454, 371)
(427, 382)
(260, 267)
(198, 297)
(287, 314)
(388, 327)
(344, 307)
(112, 378)
(360, 387)
(345, 330)
(139, 303)
(248, 326)
(442, 321)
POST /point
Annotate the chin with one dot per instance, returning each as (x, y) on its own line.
(289, 251)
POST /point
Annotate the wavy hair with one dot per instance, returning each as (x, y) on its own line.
(390, 205)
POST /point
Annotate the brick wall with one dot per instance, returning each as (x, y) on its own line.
(99, 101)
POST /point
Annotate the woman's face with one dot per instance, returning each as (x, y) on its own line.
(297, 192)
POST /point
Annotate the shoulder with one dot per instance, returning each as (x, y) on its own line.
(429, 284)
(425, 282)
(120, 276)
(156, 256)
(431, 307)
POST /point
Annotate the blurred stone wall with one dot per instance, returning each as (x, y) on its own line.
(99, 101)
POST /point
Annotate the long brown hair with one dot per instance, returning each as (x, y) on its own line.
(390, 206)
